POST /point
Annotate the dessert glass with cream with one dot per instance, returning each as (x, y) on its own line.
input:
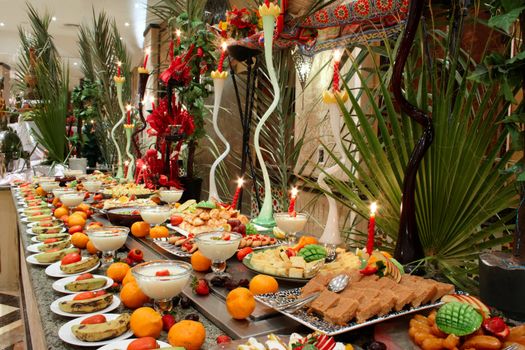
(155, 215)
(92, 186)
(218, 247)
(72, 199)
(162, 280)
(291, 224)
(108, 239)
(170, 196)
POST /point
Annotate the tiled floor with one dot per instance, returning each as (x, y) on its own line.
(11, 325)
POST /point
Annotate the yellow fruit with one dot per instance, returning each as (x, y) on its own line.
(159, 232)
(262, 284)
(79, 240)
(132, 296)
(76, 219)
(117, 271)
(240, 303)
(128, 278)
(90, 247)
(188, 334)
(59, 212)
(199, 262)
(140, 229)
(146, 322)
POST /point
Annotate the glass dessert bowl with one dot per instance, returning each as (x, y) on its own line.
(49, 186)
(291, 224)
(218, 247)
(170, 196)
(57, 192)
(155, 215)
(162, 280)
(108, 239)
(72, 199)
(92, 186)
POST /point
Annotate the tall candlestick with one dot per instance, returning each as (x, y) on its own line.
(148, 51)
(337, 59)
(237, 193)
(128, 109)
(178, 33)
(293, 197)
(126, 167)
(224, 46)
(371, 228)
(118, 68)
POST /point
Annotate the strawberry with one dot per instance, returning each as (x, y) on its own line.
(162, 273)
(226, 237)
(243, 252)
(200, 287)
(497, 326)
(223, 338)
(168, 320)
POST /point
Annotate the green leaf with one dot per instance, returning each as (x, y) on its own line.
(480, 74)
(506, 20)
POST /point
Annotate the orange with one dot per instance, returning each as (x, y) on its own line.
(56, 202)
(82, 207)
(132, 297)
(79, 240)
(188, 334)
(262, 284)
(146, 322)
(240, 303)
(128, 278)
(117, 271)
(40, 191)
(140, 229)
(76, 219)
(59, 212)
(91, 248)
(199, 262)
(80, 213)
(159, 232)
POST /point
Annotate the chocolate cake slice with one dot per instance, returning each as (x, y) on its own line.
(343, 312)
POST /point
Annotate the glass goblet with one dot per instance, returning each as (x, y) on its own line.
(218, 247)
(170, 196)
(108, 239)
(291, 224)
(155, 215)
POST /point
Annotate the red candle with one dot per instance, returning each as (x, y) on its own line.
(118, 68)
(126, 167)
(371, 228)
(178, 33)
(146, 58)
(293, 197)
(223, 55)
(267, 3)
(128, 108)
(337, 59)
(237, 193)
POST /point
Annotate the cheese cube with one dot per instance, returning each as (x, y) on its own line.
(298, 261)
(295, 273)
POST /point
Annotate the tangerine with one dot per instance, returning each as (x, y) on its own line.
(79, 240)
(61, 211)
(128, 278)
(159, 232)
(140, 229)
(40, 192)
(91, 248)
(262, 284)
(199, 262)
(80, 213)
(132, 296)
(240, 303)
(117, 271)
(56, 202)
(146, 322)
(76, 219)
(82, 207)
(188, 334)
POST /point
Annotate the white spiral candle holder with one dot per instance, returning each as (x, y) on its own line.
(218, 85)
(119, 82)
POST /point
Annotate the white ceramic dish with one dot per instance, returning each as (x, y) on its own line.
(31, 259)
(33, 248)
(60, 285)
(29, 231)
(53, 270)
(54, 307)
(123, 345)
(67, 336)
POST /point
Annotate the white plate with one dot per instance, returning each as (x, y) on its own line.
(123, 344)
(60, 284)
(31, 259)
(25, 207)
(25, 219)
(54, 307)
(67, 336)
(53, 270)
(29, 231)
(31, 224)
(33, 248)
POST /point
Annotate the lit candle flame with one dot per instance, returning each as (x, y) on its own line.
(148, 51)
(240, 182)
(126, 163)
(119, 63)
(295, 191)
(178, 32)
(373, 208)
(144, 167)
(224, 46)
(338, 53)
(128, 107)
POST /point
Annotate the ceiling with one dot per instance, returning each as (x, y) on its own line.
(130, 16)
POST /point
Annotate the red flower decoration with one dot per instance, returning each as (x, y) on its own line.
(322, 16)
(341, 12)
(384, 5)
(179, 70)
(362, 7)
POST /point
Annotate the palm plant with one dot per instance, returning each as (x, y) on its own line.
(40, 73)
(462, 188)
(101, 49)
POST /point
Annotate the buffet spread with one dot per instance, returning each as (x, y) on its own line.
(128, 303)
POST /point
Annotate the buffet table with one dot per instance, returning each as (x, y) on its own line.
(44, 324)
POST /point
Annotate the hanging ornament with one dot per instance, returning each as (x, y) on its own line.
(303, 65)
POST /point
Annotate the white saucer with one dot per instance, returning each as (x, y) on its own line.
(29, 231)
(33, 248)
(59, 285)
(123, 345)
(53, 270)
(31, 224)
(31, 259)
(67, 336)
(54, 307)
